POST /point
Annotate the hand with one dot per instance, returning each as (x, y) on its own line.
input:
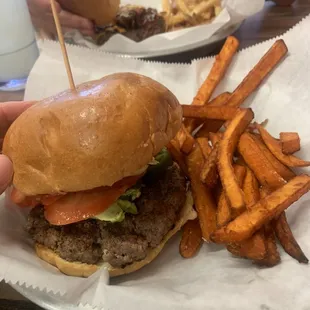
(42, 19)
(9, 111)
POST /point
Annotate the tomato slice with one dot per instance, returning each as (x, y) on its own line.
(31, 201)
(22, 200)
(79, 206)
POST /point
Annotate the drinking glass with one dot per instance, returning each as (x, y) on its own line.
(18, 48)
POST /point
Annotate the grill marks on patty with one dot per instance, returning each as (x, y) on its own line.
(122, 243)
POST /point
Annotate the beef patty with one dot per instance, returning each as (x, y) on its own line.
(135, 22)
(119, 244)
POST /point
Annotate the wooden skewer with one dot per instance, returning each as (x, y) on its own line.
(62, 45)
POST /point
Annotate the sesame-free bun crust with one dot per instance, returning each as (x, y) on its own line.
(85, 270)
(100, 11)
(109, 129)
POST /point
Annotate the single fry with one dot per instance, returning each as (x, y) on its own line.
(181, 137)
(213, 125)
(184, 8)
(204, 147)
(215, 137)
(209, 174)
(258, 163)
(189, 141)
(275, 148)
(166, 5)
(290, 142)
(203, 199)
(226, 150)
(286, 173)
(208, 112)
(220, 100)
(254, 78)
(250, 221)
(273, 257)
(217, 10)
(191, 239)
(177, 19)
(204, 6)
(222, 61)
(240, 173)
(178, 157)
(250, 189)
(223, 215)
(224, 212)
(253, 248)
(287, 239)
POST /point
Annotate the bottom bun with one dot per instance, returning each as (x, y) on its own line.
(77, 269)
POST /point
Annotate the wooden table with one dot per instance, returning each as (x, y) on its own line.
(270, 22)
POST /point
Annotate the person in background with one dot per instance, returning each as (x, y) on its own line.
(9, 111)
(42, 19)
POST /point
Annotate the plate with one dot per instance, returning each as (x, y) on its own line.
(207, 44)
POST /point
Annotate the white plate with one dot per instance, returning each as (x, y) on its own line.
(207, 44)
(217, 37)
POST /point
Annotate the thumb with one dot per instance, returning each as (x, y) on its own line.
(6, 172)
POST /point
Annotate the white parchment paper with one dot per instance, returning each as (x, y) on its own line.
(213, 279)
(234, 12)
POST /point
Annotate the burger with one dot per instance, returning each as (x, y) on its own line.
(92, 166)
(110, 18)
(101, 12)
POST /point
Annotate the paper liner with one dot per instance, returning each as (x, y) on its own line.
(213, 279)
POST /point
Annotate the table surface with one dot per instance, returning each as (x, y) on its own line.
(270, 22)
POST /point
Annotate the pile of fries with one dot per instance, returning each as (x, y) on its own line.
(241, 176)
(186, 13)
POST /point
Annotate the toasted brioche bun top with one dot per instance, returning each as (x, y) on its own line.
(102, 12)
(107, 130)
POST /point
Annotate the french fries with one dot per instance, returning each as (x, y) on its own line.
(215, 137)
(186, 140)
(287, 240)
(209, 174)
(243, 208)
(222, 62)
(223, 215)
(250, 189)
(217, 72)
(226, 150)
(204, 147)
(286, 173)
(204, 202)
(290, 142)
(191, 239)
(258, 163)
(178, 157)
(275, 148)
(255, 77)
(224, 211)
(245, 225)
(272, 256)
(213, 125)
(184, 13)
(255, 247)
(209, 112)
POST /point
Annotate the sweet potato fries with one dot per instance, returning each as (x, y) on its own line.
(240, 176)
